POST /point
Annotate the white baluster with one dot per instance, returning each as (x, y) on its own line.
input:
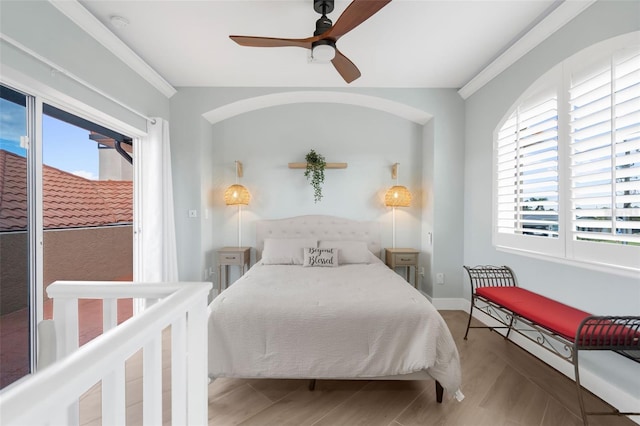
(197, 367)
(109, 314)
(152, 382)
(114, 403)
(179, 371)
(65, 316)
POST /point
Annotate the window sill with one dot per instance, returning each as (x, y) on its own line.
(600, 267)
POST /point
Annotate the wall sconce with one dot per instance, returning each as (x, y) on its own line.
(396, 196)
(237, 195)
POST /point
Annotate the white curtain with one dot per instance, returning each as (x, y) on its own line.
(156, 258)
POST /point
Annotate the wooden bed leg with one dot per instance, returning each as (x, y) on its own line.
(312, 384)
(439, 392)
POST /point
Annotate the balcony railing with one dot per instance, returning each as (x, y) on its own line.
(50, 396)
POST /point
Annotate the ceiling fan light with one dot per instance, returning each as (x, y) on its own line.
(323, 53)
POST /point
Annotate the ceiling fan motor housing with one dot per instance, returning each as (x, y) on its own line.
(323, 50)
(323, 25)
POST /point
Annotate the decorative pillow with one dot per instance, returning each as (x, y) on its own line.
(285, 251)
(349, 251)
(320, 257)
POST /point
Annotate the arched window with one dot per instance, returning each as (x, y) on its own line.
(567, 161)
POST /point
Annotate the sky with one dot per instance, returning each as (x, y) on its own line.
(65, 147)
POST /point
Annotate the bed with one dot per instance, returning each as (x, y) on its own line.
(320, 304)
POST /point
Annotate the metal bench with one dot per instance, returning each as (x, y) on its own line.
(559, 328)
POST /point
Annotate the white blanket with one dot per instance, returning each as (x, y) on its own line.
(288, 321)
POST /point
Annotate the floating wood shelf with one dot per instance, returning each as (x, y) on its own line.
(328, 166)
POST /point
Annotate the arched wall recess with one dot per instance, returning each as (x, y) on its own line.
(425, 134)
(251, 104)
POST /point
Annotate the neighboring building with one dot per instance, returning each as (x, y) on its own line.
(87, 229)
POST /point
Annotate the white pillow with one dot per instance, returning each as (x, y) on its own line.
(285, 251)
(349, 251)
(320, 257)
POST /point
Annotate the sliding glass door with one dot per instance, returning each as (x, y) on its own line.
(87, 183)
(17, 295)
(66, 213)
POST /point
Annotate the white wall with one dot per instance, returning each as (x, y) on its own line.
(266, 140)
(592, 291)
(41, 28)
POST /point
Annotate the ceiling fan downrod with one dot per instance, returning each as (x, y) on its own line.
(323, 25)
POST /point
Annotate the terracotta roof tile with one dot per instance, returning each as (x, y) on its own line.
(69, 201)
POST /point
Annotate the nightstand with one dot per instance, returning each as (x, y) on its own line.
(232, 256)
(395, 257)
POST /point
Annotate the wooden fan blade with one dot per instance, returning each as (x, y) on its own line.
(273, 42)
(345, 67)
(355, 14)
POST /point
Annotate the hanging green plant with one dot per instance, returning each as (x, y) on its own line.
(315, 171)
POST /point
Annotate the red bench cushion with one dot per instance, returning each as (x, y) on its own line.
(554, 316)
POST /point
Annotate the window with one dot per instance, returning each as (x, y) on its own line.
(527, 166)
(567, 163)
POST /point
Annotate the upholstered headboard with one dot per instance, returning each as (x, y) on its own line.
(321, 227)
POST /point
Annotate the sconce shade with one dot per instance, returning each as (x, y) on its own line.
(397, 196)
(237, 194)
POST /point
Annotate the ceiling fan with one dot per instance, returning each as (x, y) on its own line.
(323, 43)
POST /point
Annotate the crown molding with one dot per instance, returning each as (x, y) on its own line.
(73, 10)
(559, 17)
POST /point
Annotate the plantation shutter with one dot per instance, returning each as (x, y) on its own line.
(527, 167)
(605, 151)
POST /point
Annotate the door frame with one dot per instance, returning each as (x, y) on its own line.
(37, 94)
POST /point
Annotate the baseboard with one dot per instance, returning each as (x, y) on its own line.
(450, 304)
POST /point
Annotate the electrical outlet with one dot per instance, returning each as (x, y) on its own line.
(193, 213)
(421, 270)
(439, 278)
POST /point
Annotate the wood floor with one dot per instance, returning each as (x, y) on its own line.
(503, 385)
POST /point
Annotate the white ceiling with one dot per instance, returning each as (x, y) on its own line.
(409, 43)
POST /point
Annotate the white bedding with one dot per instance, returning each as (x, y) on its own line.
(351, 321)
